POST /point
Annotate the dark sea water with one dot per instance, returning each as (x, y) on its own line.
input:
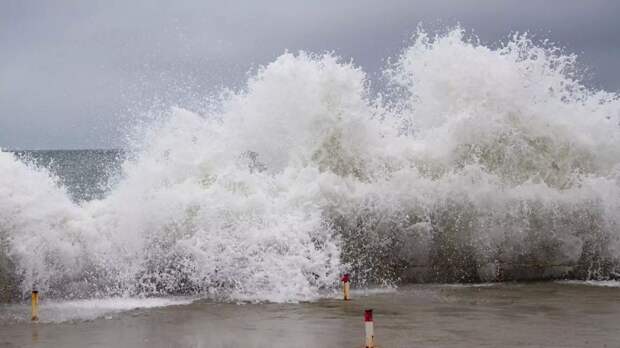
(86, 174)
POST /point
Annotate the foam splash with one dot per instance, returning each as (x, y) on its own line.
(473, 157)
(601, 283)
(62, 311)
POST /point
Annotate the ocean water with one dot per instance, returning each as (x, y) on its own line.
(475, 163)
(85, 174)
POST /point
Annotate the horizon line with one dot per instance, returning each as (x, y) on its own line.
(61, 149)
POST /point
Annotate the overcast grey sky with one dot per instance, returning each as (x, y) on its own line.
(73, 72)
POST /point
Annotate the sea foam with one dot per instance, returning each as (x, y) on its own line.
(472, 164)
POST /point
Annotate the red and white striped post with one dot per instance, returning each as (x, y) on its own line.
(370, 329)
(346, 286)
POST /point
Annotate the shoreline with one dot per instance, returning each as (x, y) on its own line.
(545, 314)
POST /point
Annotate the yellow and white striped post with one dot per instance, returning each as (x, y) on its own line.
(35, 305)
(346, 287)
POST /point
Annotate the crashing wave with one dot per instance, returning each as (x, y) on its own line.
(474, 164)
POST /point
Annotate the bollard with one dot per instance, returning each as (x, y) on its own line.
(370, 330)
(346, 287)
(35, 305)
